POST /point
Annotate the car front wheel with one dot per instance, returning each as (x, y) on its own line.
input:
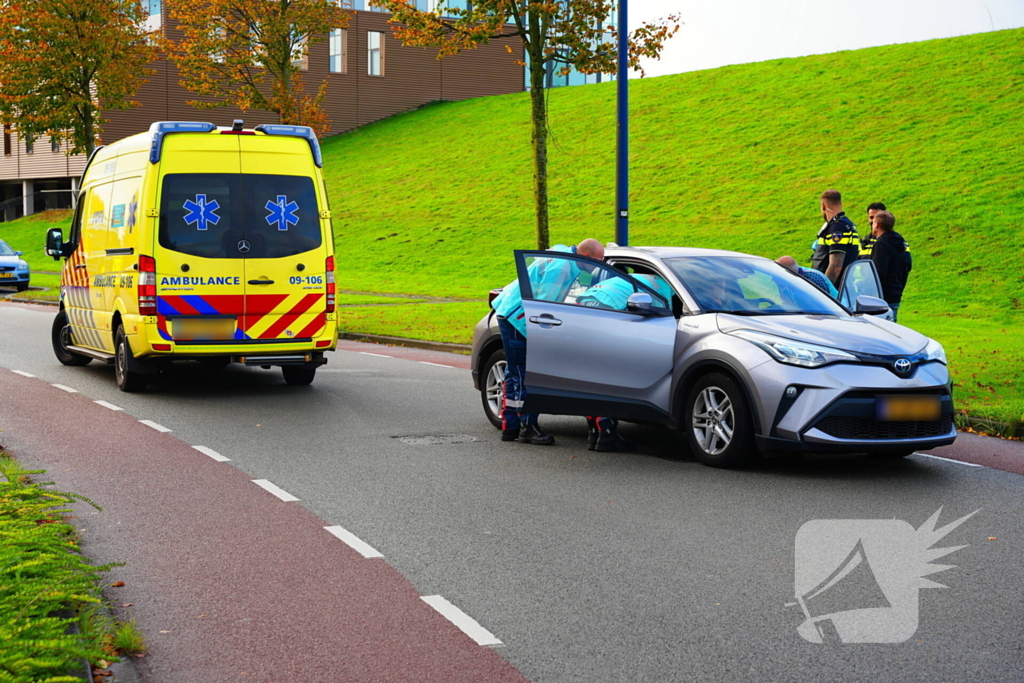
(492, 382)
(298, 375)
(717, 422)
(60, 336)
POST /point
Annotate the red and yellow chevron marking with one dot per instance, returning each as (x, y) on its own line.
(74, 284)
(301, 314)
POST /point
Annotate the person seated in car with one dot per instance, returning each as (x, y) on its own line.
(813, 276)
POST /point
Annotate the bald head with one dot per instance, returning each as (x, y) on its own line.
(592, 248)
(788, 262)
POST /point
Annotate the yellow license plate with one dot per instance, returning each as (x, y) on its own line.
(6, 274)
(198, 329)
(908, 408)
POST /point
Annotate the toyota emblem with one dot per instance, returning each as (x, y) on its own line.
(903, 366)
(244, 246)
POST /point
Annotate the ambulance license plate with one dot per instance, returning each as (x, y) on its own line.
(202, 329)
(908, 408)
(2, 275)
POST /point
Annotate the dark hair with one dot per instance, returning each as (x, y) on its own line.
(886, 221)
(832, 197)
(877, 206)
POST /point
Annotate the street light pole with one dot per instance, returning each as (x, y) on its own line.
(622, 147)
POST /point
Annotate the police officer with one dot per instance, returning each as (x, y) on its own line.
(838, 244)
(554, 277)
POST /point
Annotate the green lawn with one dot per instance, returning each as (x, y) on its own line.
(432, 202)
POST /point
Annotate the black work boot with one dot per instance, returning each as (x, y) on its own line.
(611, 442)
(533, 434)
(509, 434)
(592, 433)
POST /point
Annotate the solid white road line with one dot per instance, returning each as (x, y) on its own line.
(212, 453)
(111, 406)
(958, 462)
(22, 373)
(379, 355)
(466, 623)
(154, 425)
(354, 541)
(277, 491)
(64, 388)
(426, 362)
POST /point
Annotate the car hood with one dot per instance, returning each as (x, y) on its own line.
(12, 261)
(859, 334)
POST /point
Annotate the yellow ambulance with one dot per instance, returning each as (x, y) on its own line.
(198, 243)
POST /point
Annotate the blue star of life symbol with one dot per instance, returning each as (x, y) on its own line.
(201, 212)
(282, 212)
(133, 207)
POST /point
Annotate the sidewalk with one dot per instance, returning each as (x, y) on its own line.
(226, 581)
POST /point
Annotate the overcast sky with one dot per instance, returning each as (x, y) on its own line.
(720, 32)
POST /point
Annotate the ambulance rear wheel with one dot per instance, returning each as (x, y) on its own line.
(61, 337)
(127, 380)
(298, 375)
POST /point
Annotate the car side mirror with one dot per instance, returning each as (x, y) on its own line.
(871, 305)
(18, 253)
(639, 302)
(54, 243)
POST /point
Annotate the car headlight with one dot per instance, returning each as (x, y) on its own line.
(794, 352)
(22, 266)
(934, 351)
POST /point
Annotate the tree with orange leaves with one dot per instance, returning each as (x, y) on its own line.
(558, 34)
(62, 62)
(249, 53)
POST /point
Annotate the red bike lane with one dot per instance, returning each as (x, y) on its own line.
(226, 581)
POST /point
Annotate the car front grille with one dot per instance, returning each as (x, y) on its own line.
(867, 429)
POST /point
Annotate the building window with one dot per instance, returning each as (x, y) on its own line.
(339, 51)
(54, 145)
(28, 147)
(375, 54)
(7, 141)
(300, 52)
(153, 11)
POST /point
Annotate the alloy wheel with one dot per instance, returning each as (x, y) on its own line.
(495, 387)
(714, 420)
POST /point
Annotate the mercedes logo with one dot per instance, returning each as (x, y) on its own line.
(903, 366)
(244, 246)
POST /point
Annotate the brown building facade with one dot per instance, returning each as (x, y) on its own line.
(370, 76)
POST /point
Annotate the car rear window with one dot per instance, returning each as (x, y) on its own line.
(209, 214)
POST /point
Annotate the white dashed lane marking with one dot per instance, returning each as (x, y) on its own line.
(276, 490)
(64, 388)
(426, 362)
(22, 373)
(212, 453)
(154, 425)
(353, 541)
(958, 462)
(466, 623)
(111, 406)
(379, 355)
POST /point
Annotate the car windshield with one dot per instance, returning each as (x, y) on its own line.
(750, 286)
(5, 250)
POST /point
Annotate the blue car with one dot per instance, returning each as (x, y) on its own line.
(13, 269)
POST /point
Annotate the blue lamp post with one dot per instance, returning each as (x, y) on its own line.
(622, 147)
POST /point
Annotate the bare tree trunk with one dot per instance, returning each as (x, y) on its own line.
(89, 131)
(539, 139)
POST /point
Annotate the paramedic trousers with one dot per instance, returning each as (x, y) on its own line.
(514, 392)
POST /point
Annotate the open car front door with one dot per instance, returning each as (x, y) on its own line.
(861, 279)
(587, 354)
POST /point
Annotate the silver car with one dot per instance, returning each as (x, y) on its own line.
(737, 352)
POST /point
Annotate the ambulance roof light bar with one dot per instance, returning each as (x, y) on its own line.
(295, 131)
(161, 128)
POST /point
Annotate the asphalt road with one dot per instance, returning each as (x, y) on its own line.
(588, 566)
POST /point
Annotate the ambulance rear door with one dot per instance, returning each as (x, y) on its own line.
(199, 250)
(285, 267)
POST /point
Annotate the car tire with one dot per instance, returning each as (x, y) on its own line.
(60, 336)
(717, 422)
(22, 287)
(492, 379)
(127, 380)
(298, 375)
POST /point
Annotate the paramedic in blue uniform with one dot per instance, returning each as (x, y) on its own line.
(508, 306)
(838, 244)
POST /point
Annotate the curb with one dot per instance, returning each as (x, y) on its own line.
(444, 347)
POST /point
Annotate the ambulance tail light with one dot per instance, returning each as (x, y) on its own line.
(331, 287)
(147, 285)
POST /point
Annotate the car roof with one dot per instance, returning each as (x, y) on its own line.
(675, 252)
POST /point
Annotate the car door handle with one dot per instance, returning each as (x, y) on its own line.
(261, 282)
(80, 265)
(545, 320)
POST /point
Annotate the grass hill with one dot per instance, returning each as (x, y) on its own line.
(433, 201)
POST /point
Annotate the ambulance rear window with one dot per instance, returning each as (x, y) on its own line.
(210, 214)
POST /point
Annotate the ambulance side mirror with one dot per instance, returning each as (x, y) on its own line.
(55, 243)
